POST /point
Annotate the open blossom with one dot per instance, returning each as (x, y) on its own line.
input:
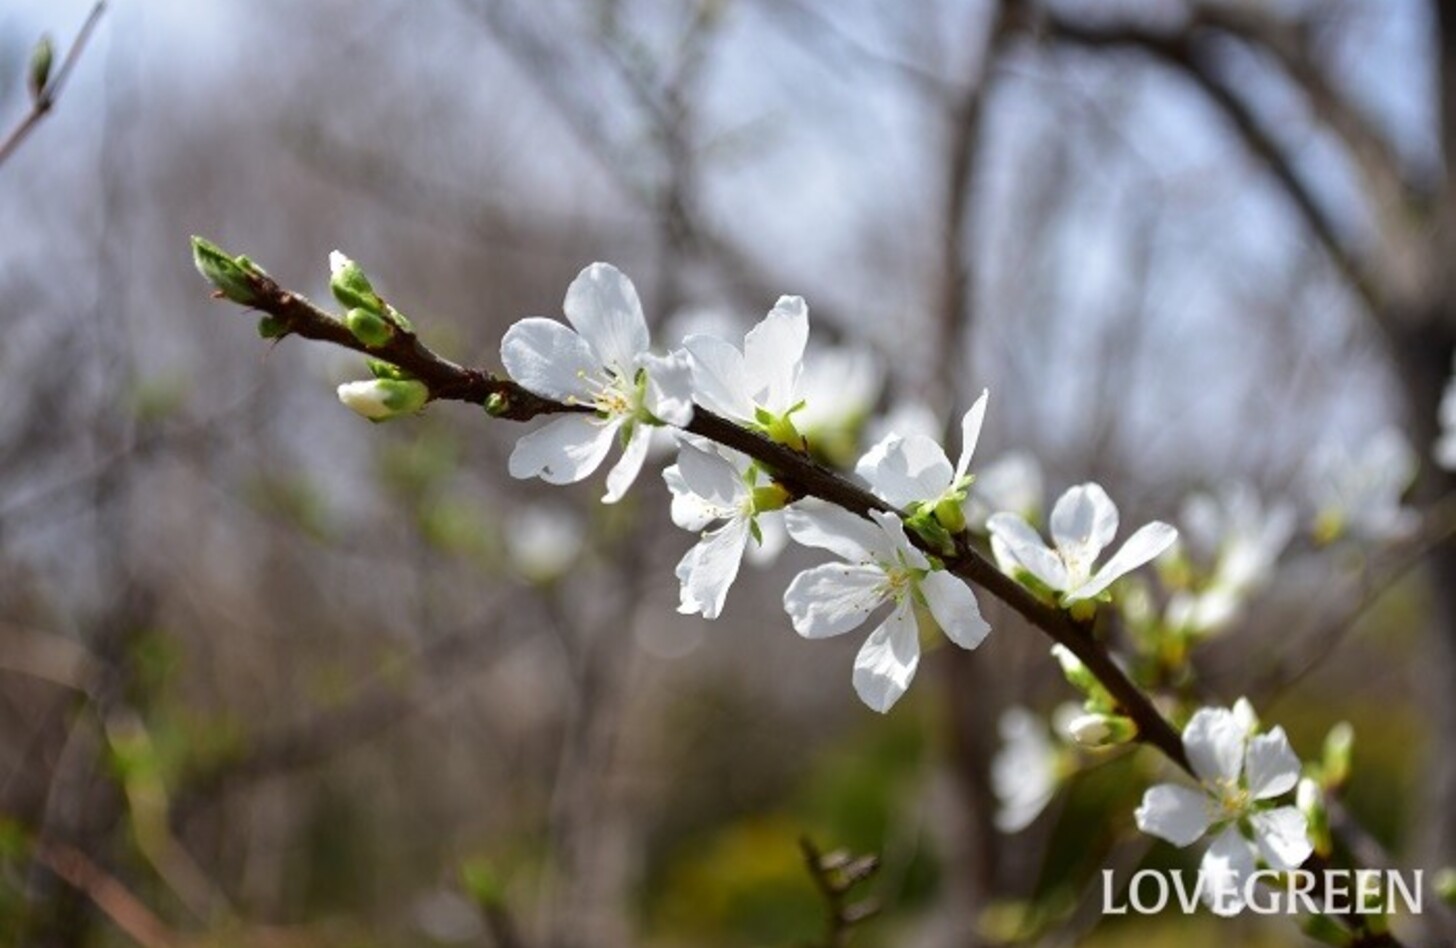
(1025, 770)
(838, 388)
(601, 362)
(1083, 523)
(1238, 541)
(881, 566)
(912, 471)
(711, 487)
(1240, 774)
(1359, 495)
(758, 386)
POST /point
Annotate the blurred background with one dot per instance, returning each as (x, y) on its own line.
(274, 676)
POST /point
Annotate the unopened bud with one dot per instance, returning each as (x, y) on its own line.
(770, 497)
(1311, 802)
(1339, 742)
(383, 399)
(497, 405)
(350, 286)
(951, 515)
(232, 277)
(41, 58)
(1101, 730)
(271, 327)
(368, 327)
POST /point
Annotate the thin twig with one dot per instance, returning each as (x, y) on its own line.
(45, 99)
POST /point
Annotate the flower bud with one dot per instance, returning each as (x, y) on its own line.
(497, 405)
(1311, 802)
(1101, 730)
(41, 58)
(369, 328)
(950, 514)
(271, 327)
(1338, 744)
(383, 399)
(232, 277)
(350, 286)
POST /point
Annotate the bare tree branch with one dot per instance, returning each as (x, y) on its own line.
(45, 97)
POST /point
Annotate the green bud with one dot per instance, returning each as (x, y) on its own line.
(1102, 730)
(369, 328)
(1339, 742)
(383, 399)
(41, 58)
(230, 277)
(398, 318)
(950, 514)
(1079, 676)
(1311, 802)
(1444, 882)
(271, 327)
(1325, 929)
(1083, 609)
(497, 405)
(350, 286)
(387, 370)
(782, 430)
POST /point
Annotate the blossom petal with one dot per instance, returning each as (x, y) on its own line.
(1083, 522)
(773, 352)
(1214, 740)
(709, 568)
(602, 304)
(711, 476)
(1228, 862)
(689, 511)
(906, 470)
(549, 359)
(895, 546)
(1019, 544)
(720, 379)
(971, 433)
(629, 465)
(1283, 837)
(565, 450)
(886, 662)
(833, 598)
(955, 608)
(1178, 814)
(1023, 772)
(826, 527)
(1271, 768)
(669, 386)
(1147, 543)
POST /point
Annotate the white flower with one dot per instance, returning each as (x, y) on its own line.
(1083, 523)
(709, 487)
(839, 388)
(1242, 541)
(543, 542)
(1011, 483)
(1239, 773)
(1024, 772)
(603, 364)
(758, 386)
(383, 399)
(1360, 495)
(880, 566)
(912, 472)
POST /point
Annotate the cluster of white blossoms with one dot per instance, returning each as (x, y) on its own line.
(603, 363)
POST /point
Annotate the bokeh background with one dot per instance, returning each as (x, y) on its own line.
(286, 678)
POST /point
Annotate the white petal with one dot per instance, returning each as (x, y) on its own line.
(1228, 862)
(1283, 837)
(833, 598)
(1083, 522)
(1177, 814)
(773, 352)
(602, 304)
(906, 470)
(708, 569)
(689, 511)
(824, 526)
(669, 386)
(895, 546)
(1146, 544)
(720, 380)
(955, 608)
(711, 476)
(629, 465)
(565, 450)
(1271, 768)
(887, 661)
(1023, 772)
(1024, 548)
(971, 433)
(1214, 740)
(549, 359)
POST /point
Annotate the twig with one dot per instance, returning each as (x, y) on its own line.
(45, 98)
(835, 875)
(107, 894)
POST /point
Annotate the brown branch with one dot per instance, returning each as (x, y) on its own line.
(836, 875)
(125, 910)
(45, 98)
(797, 472)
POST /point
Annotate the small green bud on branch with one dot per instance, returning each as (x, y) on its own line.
(39, 74)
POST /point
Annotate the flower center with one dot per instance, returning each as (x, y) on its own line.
(611, 394)
(899, 583)
(1233, 800)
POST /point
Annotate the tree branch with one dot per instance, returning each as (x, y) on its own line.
(45, 98)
